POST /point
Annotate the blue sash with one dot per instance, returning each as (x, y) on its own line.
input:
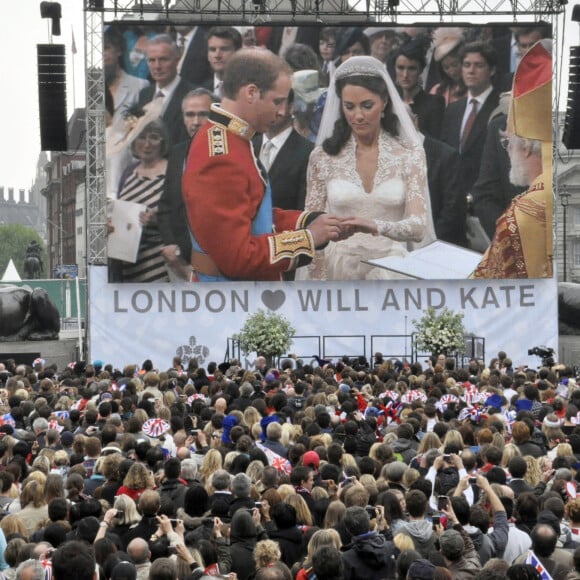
(261, 224)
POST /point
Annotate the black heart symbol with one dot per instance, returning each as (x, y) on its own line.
(273, 300)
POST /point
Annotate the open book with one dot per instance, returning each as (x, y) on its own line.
(437, 261)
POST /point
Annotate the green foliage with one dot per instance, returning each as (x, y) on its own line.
(14, 240)
(268, 334)
(440, 333)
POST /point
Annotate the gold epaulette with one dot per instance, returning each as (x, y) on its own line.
(218, 141)
(230, 122)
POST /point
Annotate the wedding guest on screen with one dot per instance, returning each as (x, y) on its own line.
(448, 44)
(143, 183)
(429, 109)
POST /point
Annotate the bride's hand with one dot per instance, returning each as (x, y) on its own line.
(359, 225)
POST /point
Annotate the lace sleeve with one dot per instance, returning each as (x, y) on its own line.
(316, 177)
(316, 181)
(415, 225)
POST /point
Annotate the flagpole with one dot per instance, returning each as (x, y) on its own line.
(74, 51)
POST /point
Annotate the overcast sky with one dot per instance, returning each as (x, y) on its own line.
(23, 29)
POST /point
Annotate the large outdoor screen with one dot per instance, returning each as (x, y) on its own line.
(455, 213)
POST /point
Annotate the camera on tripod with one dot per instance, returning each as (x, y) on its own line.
(545, 353)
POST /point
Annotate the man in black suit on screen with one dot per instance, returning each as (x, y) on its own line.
(465, 121)
(163, 58)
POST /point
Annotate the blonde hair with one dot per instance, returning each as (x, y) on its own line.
(12, 524)
(429, 441)
(389, 438)
(286, 437)
(37, 476)
(410, 476)
(254, 470)
(348, 460)
(285, 490)
(42, 463)
(212, 461)
(303, 515)
(138, 477)
(509, 452)
(533, 472)
(453, 437)
(328, 537)
(229, 459)
(164, 413)
(251, 416)
(266, 552)
(32, 493)
(183, 568)
(564, 450)
(326, 439)
(498, 440)
(403, 542)
(319, 493)
(129, 514)
(61, 458)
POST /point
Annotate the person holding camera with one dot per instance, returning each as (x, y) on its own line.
(369, 555)
(493, 542)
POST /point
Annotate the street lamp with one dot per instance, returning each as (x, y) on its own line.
(564, 200)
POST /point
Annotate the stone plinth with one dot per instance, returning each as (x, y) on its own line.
(61, 352)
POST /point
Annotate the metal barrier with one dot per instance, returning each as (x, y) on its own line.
(316, 349)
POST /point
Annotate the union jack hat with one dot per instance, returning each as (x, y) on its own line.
(155, 427)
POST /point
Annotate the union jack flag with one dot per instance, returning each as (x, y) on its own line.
(390, 394)
(7, 419)
(534, 561)
(54, 424)
(275, 460)
(510, 419)
(61, 414)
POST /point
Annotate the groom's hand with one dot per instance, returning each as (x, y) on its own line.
(325, 228)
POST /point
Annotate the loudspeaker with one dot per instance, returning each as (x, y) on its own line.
(52, 96)
(571, 137)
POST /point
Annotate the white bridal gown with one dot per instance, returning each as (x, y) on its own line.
(398, 202)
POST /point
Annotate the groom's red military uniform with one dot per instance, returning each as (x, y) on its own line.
(230, 211)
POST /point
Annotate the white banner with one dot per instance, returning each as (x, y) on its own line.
(131, 322)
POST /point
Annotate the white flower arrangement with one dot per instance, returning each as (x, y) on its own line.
(441, 333)
(267, 334)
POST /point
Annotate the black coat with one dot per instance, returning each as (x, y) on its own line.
(291, 542)
(471, 154)
(369, 556)
(172, 493)
(287, 175)
(171, 214)
(448, 205)
(195, 67)
(493, 192)
(429, 110)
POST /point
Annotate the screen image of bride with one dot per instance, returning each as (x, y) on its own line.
(369, 168)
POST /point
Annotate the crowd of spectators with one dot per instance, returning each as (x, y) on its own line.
(345, 470)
